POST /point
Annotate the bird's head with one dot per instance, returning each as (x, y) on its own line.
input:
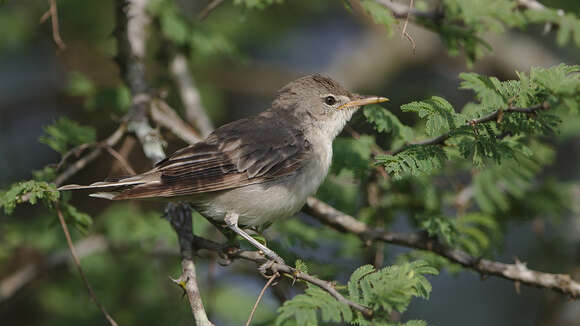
(321, 102)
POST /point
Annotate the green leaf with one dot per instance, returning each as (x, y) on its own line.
(380, 14)
(28, 191)
(440, 115)
(385, 121)
(65, 134)
(441, 227)
(417, 160)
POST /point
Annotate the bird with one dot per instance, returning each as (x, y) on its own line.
(253, 170)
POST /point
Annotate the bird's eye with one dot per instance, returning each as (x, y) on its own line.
(330, 100)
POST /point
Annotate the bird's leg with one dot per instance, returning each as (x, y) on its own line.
(231, 220)
(230, 235)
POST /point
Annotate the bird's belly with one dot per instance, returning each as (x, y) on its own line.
(259, 203)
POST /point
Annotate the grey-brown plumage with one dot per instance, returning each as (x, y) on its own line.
(254, 169)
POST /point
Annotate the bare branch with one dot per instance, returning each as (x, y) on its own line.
(270, 280)
(165, 116)
(132, 24)
(209, 8)
(179, 215)
(258, 258)
(120, 159)
(517, 272)
(195, 113)
(131, 34)
(79, 268)
(80, 164)
(494, 116)
(52, 12)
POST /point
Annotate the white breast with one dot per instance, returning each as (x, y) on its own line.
(259, 203)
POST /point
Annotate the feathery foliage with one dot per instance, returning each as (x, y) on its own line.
(461, 24)
(65, 134)
(28, 191)
(383, 291)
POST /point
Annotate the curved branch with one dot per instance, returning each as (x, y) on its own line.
(77, 263)
(517, 272)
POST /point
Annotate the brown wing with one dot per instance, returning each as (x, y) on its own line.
(238, 154)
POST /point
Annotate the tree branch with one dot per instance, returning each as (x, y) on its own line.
(80, 269)
(258, 258)
(165, 116)
(195, 113)
(494, 116)
(131, 34)
(80, 164)
(132, 24)
(517, 272)
(179, 215)
(52, 12)
(209, 8)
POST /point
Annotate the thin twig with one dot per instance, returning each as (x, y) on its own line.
(209, 8)
(272, 278)
(517, 272)
(52, 12)
(404, 32)
(112, 140)
(79, 268)
(439, 140)
(124, 163)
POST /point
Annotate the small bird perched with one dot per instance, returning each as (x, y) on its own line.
(252, 170)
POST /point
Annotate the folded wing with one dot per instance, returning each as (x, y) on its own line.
(238, 154)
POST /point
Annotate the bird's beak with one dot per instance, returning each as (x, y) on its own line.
(363, 100)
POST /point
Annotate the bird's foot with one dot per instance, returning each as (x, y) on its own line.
(227, 251)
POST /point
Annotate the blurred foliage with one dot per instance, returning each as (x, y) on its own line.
(464, 191)
(65, 134)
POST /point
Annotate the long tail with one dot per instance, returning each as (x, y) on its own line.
(116, 186)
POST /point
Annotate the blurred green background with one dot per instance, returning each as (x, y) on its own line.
(240, 58)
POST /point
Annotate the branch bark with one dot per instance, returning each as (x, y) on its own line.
(258, 258)
(132, 25)
(179, 215)
(195, 113)
(517, 272)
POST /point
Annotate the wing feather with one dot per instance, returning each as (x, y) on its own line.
(238, 154)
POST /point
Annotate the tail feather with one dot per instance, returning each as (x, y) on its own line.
(103, 184)
(124, 182)
(105, 195)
